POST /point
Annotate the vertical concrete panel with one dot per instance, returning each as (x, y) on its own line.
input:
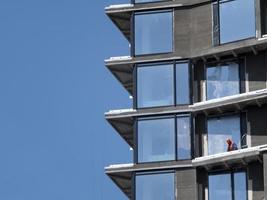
(255, 181)
(256, 69)
(186, 184)
(257, 128)
(182, 32)
(201, 28)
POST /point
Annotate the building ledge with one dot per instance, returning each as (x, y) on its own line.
(123, 120)
(234, 102)
(229, 159)
(122, 67)
(122, 174)
(121, 14)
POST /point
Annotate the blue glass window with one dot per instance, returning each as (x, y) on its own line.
(223, 80)
(155, 85)
(237, 20)
(184, 137)
(153, 32)
(155, 187)
(220, 129)
(156, 140)
(230, 186)
(182, 83)
(220, 187)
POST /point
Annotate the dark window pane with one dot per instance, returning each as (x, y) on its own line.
(153, 33)
(155, 187)
(156, 140)
(182, 83)
(264, 16)
(184, 138)
(220, 187)
(237, 20)
(155, 86)
(223, 81)
(219, 130)
(240, 186)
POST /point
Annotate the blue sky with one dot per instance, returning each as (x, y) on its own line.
(54, 89)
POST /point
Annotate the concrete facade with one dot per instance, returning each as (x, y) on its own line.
(194, 40)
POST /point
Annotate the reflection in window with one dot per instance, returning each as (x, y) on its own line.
(240, 186)
(237, 20)
(155, 187)
(230, 186)
(219, 130)
(223, 80)
(155, 86)
(182, 83)
(184, 138)
(156, 140)
(220, 187)
(153, 32)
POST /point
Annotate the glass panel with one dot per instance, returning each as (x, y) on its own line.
(237, 20)
(182, 83)
(220, 187)
(184, 138)
(223, 81)
(156, 140)
(155, 86)
(240, 186)
(153, 33)
(219, 130)
(155, 187)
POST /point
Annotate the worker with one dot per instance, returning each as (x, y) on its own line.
(231, 145)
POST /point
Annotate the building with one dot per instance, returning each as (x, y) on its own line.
(198, 76)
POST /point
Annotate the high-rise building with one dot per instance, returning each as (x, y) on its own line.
(198, 77)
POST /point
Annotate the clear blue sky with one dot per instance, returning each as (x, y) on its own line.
(54, 90)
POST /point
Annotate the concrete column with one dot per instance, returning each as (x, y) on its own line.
(186, 184)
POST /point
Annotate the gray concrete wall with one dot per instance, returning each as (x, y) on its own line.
(192, 29)
(255, 181)
(256, 125)
(186, 184)
(256, 71)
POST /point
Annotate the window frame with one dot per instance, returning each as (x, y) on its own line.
(243, 128)
(241, 74)
(216, 27)
(231, 172)
(167, 116)
(155, 64)
(153, 172)
(132, 39)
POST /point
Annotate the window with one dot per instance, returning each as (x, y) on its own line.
(154, 186)
(222, 80)
(182, 83)
(153, 32)
(156, 84)
(184, 137)
(156, 138)
(234, 20)
(230, 186)
(220, 129)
